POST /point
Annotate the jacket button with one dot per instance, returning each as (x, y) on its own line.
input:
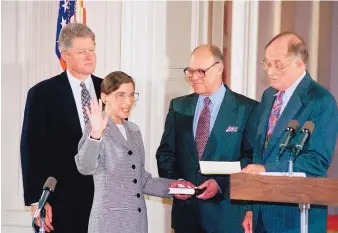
(130, 152)
(139, 209)
(138, 195)
(133, 166)
(135, 181)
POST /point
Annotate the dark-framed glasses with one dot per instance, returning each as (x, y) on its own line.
(122, 96)
(199, 72)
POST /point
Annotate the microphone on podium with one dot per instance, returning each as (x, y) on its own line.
(305, 133)
(290, 132)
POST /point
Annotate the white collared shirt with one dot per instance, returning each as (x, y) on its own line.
(289, 91)
(76, 89)
(122, 130)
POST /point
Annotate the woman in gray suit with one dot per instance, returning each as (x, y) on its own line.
(112, 150)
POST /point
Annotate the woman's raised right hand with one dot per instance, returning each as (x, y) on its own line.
(98, 122)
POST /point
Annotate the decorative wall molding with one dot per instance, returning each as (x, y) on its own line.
(313, 43)
(252, 40)
(244, 47)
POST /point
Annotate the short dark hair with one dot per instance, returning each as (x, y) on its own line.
(296, 45)
(114, 80)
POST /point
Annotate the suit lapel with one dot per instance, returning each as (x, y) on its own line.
(263, 124)
(292, 108)
(97, 85)
(189, 120)
(225, 117)
(116, 134)
(69, 105)
(131, 137)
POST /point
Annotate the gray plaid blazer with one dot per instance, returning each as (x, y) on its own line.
(120, 179)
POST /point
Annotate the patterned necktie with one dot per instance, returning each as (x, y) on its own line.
(274, 115)
(85, 100)
(203, 127)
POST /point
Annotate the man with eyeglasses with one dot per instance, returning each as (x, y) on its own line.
(211, 124)
(293, 95)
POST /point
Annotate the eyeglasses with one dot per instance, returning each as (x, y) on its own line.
(199, 72)
(122, 96)
(276, 66)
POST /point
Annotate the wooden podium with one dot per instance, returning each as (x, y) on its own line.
(299, 190)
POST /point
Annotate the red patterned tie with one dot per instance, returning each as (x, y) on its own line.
(274, 115)
(203, 127)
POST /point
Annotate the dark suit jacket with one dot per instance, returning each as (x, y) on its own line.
(177, 158)
(50, 135)
(309, 102)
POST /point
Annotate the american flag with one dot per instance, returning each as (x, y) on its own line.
(69, 11)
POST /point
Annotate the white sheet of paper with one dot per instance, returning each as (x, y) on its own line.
(219, 167)
(294, 174)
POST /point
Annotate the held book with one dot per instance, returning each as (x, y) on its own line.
(188, 191)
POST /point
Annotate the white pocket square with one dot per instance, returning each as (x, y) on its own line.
(231, 129)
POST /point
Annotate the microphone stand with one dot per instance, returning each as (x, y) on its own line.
(290, 149)
(43, 215)
(35, 228)
(291, 158)
(303, 208)
(42, 222)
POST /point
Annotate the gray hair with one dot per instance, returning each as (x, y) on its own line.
(214, 50)
(71, 31)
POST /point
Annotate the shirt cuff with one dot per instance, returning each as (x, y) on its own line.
(94, 139)
(35, 203)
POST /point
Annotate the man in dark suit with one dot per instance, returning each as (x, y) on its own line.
(53, 124)
(212, 125)
(293, 95)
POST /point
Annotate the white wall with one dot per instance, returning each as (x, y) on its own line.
(27, 57)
